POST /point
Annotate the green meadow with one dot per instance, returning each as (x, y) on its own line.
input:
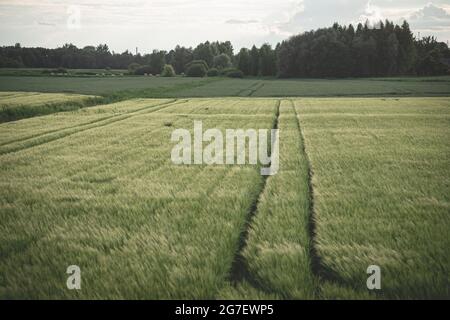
(160, 87)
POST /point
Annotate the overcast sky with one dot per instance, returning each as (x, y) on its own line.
(161, 24)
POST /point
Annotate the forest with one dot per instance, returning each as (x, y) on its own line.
(386, 49)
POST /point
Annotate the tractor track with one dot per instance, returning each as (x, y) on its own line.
(239, 269)
(249, 88)
(81, 124)
(316, 263)
(258, 87)
(43, 139)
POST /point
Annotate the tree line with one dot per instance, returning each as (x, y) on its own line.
(386, 49)
(340, 51)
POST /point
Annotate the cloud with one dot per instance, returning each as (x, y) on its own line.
(162, 24)
(430, 17)
(237, 21)
(431, 11)
(312, 14)
(44, 23)
(372, 14)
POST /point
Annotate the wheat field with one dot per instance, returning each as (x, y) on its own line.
(362, 181)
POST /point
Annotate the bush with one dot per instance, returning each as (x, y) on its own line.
(235, 74)
(60, 70)
(224, 72)
(196, 70)
(202, 62)
(143, 70)
(132, 67)
(222, 61)
(168, 71)
(213, 72)
(88, 73)
(232, 73)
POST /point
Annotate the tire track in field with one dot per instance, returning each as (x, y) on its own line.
(249, 88)
(82, 124)
(68, 132)
(316, 261)
(252, 91)
(53, 131)
(239, 268)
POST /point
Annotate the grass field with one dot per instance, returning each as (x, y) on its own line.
(362, 181)
(153, 86)
(181, 87)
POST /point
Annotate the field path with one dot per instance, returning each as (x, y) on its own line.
(312, 230)
(239, 271)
